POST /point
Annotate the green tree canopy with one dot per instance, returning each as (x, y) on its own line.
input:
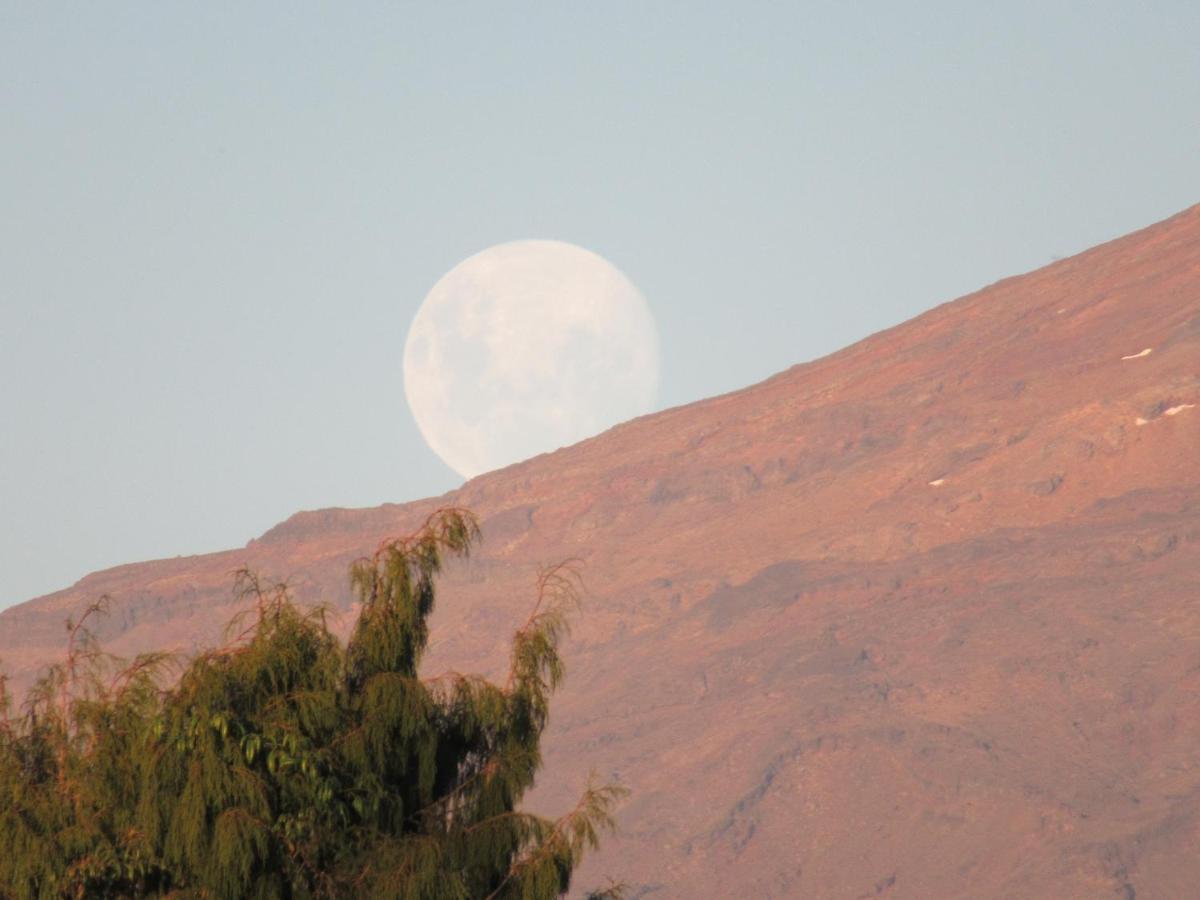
(286, 765)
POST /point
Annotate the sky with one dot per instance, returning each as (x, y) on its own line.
(219, 219)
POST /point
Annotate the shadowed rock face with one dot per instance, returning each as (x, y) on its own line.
(919, 619)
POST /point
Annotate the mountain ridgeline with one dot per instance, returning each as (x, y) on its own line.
(916, 619)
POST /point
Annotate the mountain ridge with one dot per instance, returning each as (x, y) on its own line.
(935, 588)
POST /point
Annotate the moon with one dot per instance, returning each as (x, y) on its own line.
(526, 347)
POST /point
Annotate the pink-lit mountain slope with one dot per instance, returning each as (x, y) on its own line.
(919, 619)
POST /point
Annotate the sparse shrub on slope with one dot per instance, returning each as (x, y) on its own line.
(286, 765)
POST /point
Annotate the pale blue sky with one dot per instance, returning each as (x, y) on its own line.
(219, 219)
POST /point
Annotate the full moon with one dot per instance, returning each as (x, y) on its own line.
(524, 348)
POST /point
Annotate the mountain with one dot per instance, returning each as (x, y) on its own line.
(919, 619)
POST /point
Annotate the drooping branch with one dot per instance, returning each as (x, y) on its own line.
(571, 835)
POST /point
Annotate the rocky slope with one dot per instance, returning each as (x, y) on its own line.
(919, 619)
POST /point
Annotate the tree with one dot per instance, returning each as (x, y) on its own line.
(286, 765)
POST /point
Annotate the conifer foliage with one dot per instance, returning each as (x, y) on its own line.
(286, 765)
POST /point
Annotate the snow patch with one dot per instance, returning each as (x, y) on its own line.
(937, 482)
(1145, 352)
(1173, 411)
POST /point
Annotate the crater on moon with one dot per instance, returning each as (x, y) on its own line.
(526, 347)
